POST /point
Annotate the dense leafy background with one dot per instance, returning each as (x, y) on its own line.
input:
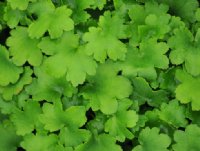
(97, 75)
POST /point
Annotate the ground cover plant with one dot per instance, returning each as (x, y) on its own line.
(99, 75)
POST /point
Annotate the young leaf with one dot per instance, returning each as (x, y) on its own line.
(19, 4)
(14, 89)
(118, 124)
(78, 7)
(141, 62)
(173, 113)
(13, 16)
(185, 49)
(51, 19)
(103, 41)
(148, 139)
(26, 120)
(106, 88)
(23, 48)
(67, 58)
(9, 140)
(183, 8)
(144, 93)
(183, 143)
(49, 88)
(9, 73)
(99, 143)
(188, 90)
(72, 137)
(44, 142)
(54, 117)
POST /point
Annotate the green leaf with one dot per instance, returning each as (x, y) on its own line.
(26, 120)
(144, 93)
(197, 14)
(6, 107)
(15, 89)
(183, 8)
(149, 138)
(67, 58)
(49, 88)
(13, 16)
(39, 142)
(141, 62)
(9, 140)
(193, 116)
(19, 4)
(9, 73)
(167, 80)
(118, 124)
(183, 143)
(23, 48)
(78, 7)
(106, 88)
(105, 39)
(173, 113)
(99, 143)
(148, 21)
(55, 118)
(51, 19)
(185, 49)
(71, 137)
(188, 90)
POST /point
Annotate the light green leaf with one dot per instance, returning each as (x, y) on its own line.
(15, 89)
(9, 73)
(67, 58)
(71, 137)
(185, 49)
(55, 118)
(106, 88)
(23, 48)
(51, 19)
(39, 142)
(188, 90)
(124, 118)
(144, 93)
(188, 139)
(49, 88)
(141, 62)
(103, 41)
(8, 138)
(19, 4)
(173, 113)
(13, 16)
(102, 142)
(26, 120)
(151, 140)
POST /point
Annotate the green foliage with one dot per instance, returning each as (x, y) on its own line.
(99, 75)
(148, 135)
(182, 141)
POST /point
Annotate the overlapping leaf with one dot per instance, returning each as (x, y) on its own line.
(140, 62)
(74, 63)
(9, 72)
(188, 84)
(51, 19)
(102, 92)
(118, 124)
(23, 48)
(182, 141)
(49, 88)
(54, 117)
(185, 49)
(103, 41)
(148, 139)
